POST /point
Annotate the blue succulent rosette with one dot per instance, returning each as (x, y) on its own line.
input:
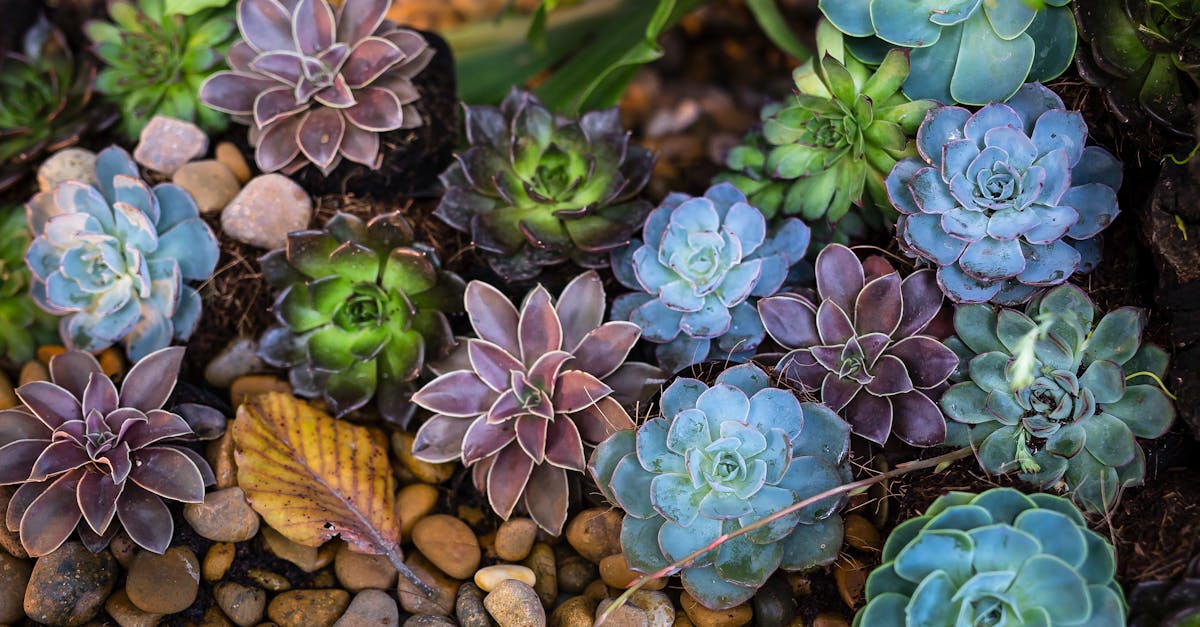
(112, 259)
(1007, 201)
(697, 273)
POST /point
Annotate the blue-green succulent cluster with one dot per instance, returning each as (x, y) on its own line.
(112, 259)
(997, 559)
(719, 458)
(1057, 394)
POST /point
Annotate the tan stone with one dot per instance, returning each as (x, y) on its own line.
(449, 544)
(489, 577)
(701, 616)
(309, 559)
(229, 156)
(308, 608)
(224, 516)
(574, 612)
(359, 571)
(545, 572)
(217, 561)
(424, 471)
(414, 502)
(251, 385)
(514, 539)
(219, 454)
(861, 534)
(211, 184)
(122, 610)
(414, 601)
(33, 370)
(595, 533)
(163, 584)
(244, 605)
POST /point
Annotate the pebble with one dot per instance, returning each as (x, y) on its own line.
(596, 533)
(701, 616)
(68, 587)
(574, 612)
(10, 541)
(597, 591)
(308, 608)
(217, 561)
(541, 562)
(829, 619)
(851, 577)
(122, 610)
(247, 386)
(449, 543)
(231, 157)
(123, 549)
(359, 571)
(309, 559)
(575, 573)
(214, 618)
(45, 353)
(625, 616)
(69, 164)
(489, 577)
(238, 358)
(514, 539)
(424, 471)
(163, 584)
(469, 609)
(207, 423)
(515, 604)
(370, 608)
(273, 582)
(616, 573)
(244, 605)
(224, 516)
(14, 576)
(773, 603)
(219, 454)
(112, 362)
(657, 605)
(268, 208)
(210, 183)
(167, 143)
(33, 371)
(8, 396)
(414, 601)
(425, 620)
(861, 534)
(414, 502)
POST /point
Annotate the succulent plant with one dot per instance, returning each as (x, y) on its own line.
(703, 265)
(316, 86)
(997, 558)
(1168, 603)
(360, 309)
(536, 189)
(520, 403)
(967, 51)
(1146, 56)
(91, 458)
(719, 458)
(23, 325)
(154, 61)
(1051, 392)
(1007, 201)
(861, 347)
(113, 258)
(45, 101)
(832, 145)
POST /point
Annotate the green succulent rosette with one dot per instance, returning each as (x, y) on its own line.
(23, 325)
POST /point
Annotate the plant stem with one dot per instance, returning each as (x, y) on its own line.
(899, 470)
(393, 555)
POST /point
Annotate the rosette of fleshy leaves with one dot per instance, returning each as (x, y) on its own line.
(318, 86)
(113, 259)
(45, 101)
(1168, 603)
(1006, 201)
(361, 308)
(825, 152)
(997, 558)
(967, 51)
(154, 61)
(1058, 394)
(89, 457)
(1145, 54)
(698, 273)
(522, 402)
(23, 325)
(861, 346)
(716, 460)
(537, 189)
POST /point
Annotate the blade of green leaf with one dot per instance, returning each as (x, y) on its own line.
(190, 7)
(775, 27)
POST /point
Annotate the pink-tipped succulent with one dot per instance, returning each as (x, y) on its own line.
(317, 85)
(89, 457)
(523, 401)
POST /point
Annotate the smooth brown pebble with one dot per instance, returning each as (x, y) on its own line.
(244, 605)
(308, 608)
(123, 549)
(219, 454)
(8, 396)
(597, 590)
(213, 617)
(515, 604)
(359, 571)
(829, 619)
(861, 534)
(33, 370)
(468, 607)
(224, 516)
(595, 533)
(14, 576)
(850, 577)
(414, 502)
(424, 471)
(449, 544)
(229, 156)
(210, 183)
(575, 573)
(624, 616)
(425, 620)
(68, 587)
(370, 608)
(112, 362)
(574, 612)
(122, 610)
(310, 559)
(163, 584)
(514, 539)
(414, 601)
(489, 577)
(545, 572)
(703, 617)
(273, 582)
(616, 573)
(657, 606)
(217, 561)
(251, 385)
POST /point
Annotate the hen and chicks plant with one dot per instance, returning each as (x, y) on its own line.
(317, 85)
(1006, 201)
(719, 458)
(537, 189)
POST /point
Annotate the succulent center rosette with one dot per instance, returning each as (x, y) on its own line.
(720, 458)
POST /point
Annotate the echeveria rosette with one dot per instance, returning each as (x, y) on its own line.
(522, 401)
(967, 51)
(317, 85)
(861, 347)
(700, 268)
(89, 457)
(720, 458)
(361, 308)
(1167, 603)
(1064, 407)
(23, 325)
(1000, 558)
(536, 189)
(1006, 201)
(113, 259)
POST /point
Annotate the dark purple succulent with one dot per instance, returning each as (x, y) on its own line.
(860, 348)
(89, 457)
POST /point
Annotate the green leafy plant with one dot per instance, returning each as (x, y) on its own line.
(23, 325)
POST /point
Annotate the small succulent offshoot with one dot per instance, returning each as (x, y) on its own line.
(23, 325)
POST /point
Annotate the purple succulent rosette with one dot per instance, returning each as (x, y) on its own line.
(861, 348)
(88, 457)
(315, 85)
(520, 403)
(1007, 201)
(701, 266)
